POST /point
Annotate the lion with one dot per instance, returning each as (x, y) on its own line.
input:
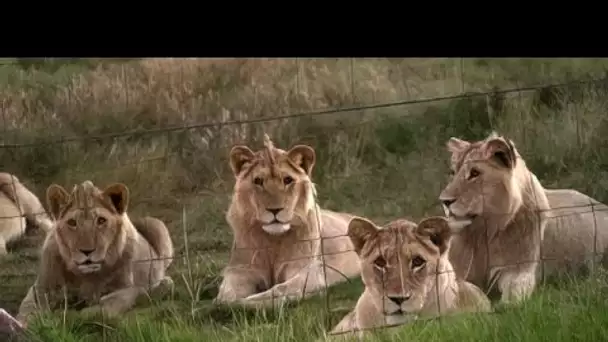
(96, 255)
(508, 221)
(407, 274)
(19, 208)
(285, 247)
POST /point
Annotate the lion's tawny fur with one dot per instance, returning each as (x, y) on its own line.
(512, 222)
(577, 230)
(18, 208)
(97, 254)
(277, 229)
(157, 235)
(406, 262)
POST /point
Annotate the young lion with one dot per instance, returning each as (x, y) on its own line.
(406, 273)
(280, 232)
(96, 251)
(18, 207)
(508, 218)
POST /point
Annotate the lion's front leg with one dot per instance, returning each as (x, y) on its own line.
(29, 306)
(306, 283)
(164, 287)
(347, 323)
(38, 301)
(237, 283)
(124, 299)
(516, 286)
(116, 302)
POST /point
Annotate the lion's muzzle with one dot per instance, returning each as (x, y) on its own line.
(399, 318)
(85, 263)
(275, 221)
(456, 220)
(89, 267)
(402, 302)
(401, 309)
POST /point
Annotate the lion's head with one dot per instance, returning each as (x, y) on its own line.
(274, 185)
(399, 262)
(90, 228)
(486, 180)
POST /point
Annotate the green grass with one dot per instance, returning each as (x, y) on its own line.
(573, 311)
(382, 164)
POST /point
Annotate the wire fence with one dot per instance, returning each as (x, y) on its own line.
(404, 267)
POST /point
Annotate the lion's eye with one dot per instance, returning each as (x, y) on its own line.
(71, 222)
(418, 261)
(101, 220)
(474, 173)
(258, 181)
(287, 180)
(380, 262)
(451, 172)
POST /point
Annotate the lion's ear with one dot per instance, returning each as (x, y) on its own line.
(118, 194)
(303, 156)
(56, 199)
(240, 155)
(359, 232)
(456, 145)
(502, 151)
(437, 229)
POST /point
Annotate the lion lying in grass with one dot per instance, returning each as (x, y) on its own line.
(280, 232)
(507, 222)
(96, 251)
(406, 273)
(18, 207)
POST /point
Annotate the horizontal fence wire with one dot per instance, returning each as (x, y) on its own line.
(256, 250)
(322, 112)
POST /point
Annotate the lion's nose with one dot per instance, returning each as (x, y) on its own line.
(448, 202)
(399, 300)
(275, 211)
(86, 252)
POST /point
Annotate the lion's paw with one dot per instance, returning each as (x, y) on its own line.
(164, 287)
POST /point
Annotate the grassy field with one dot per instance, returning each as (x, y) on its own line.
(107, 121)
